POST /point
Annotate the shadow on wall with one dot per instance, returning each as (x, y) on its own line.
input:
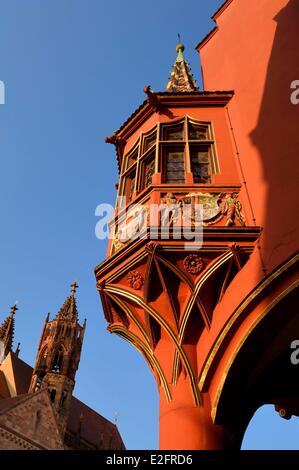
(277, 139)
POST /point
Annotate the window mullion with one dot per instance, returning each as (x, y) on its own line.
(157, 153)
(137, 174)
(187, 150)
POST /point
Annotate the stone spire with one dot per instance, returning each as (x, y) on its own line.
(181, 78)
(69, 309)
(7, 330)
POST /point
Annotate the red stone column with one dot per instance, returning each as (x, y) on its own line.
(184, 426)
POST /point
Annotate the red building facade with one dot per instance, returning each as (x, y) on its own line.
(214, 318)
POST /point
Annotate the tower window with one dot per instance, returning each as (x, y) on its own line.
(57, 363)
(43, 358)
(52, 395)
(62, 399)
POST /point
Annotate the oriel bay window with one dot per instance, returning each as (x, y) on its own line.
(172, 149)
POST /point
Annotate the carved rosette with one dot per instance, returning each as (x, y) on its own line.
(135, 279)
(193, 264)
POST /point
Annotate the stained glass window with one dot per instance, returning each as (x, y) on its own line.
(131, 185)
(132, 158)
(173, 132)
(149, 171)
(200, 166)
(198, 132)
(149, 141)
(175, 167)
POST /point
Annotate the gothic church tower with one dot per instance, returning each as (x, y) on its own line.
(58, 357)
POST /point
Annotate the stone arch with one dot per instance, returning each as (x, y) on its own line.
(256, 368)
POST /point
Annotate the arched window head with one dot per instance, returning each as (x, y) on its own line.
(37, 420)
(57, 363)
(53, 395)
(43, 358)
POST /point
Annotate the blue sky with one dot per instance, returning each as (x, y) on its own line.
(74, 70)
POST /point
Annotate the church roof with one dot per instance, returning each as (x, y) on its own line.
(8, 403)
(181, 79)
(94, 428)
(17, 376)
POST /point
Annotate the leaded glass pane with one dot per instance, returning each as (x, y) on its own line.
(173, 133)
(149, 171)
(198, 132)
(132, 158)
(200, 166)
(130, 185)
(149, 142)
(175, 167)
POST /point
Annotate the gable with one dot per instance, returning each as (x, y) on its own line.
(32, 416)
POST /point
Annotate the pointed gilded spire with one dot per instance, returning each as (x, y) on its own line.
(69, 309)
(7, 330)
(181, 78)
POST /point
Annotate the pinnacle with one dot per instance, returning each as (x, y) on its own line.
(181, 78)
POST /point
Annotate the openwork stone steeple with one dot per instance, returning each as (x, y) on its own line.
(69, 309)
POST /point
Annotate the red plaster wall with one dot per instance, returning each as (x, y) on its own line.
(255, 53)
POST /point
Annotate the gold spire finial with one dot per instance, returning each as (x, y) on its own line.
(180, 46)
(181, 79)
